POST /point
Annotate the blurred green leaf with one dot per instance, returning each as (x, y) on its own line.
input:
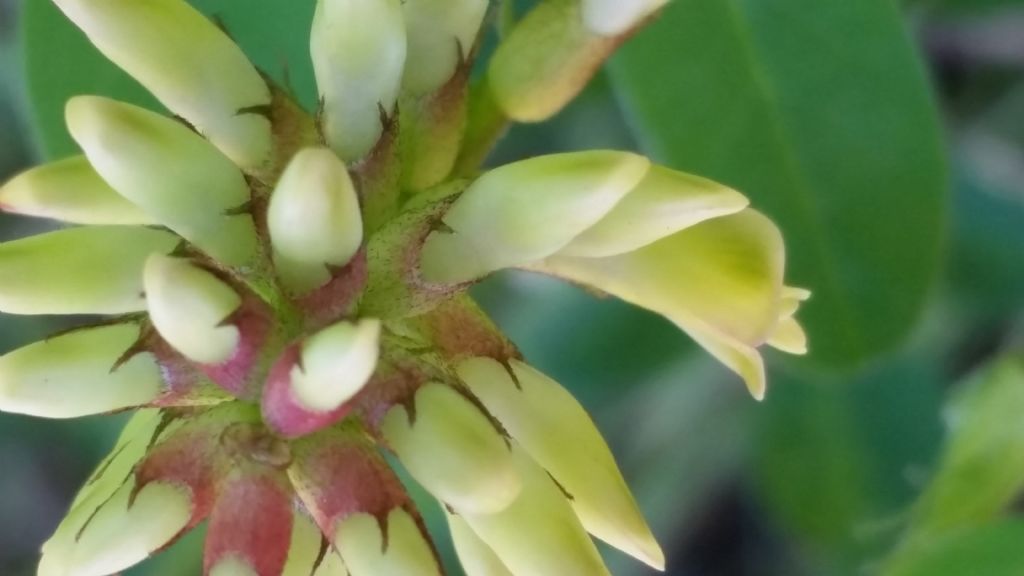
(831, 457)
(968, 7)
(60, 61)
(821, 113)
(991, 550)
(982, 469)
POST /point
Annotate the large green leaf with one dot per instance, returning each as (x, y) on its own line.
(831, 457)
(60, 61)
(820, 112)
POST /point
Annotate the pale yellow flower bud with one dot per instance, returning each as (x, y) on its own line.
(170, 172)
(559, 434)
(89, 270)
(358, 49)
(78, 374)
(189, 64)
(440, 33)
(189, 306)
(313, 219)
(453, 450)
(367, 553)
(72, 191)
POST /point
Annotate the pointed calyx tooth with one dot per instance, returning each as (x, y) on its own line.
(528, 210)
(313, 219)
(663, 203)
(88, 270)
(392, 545)
(118, 532)
(559, 434)
(189, 306)
(170, 172)
(69, 190)
(441, 33)
(547, 59)
(308, 387)
(475, 556)
(79, 373)
(538, 534)
(310, 554)
(453, 450)
(358, 49)
(614, 17)
(189, 64)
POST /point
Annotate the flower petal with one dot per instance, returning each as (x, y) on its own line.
(358, 49)
(663, 203)
(476, 557)
(440, 34)
(720, 281)
(79, 373)
(170, 172)
(453, 450)
(188, 64)
(188, 306)
(559, 434)
(69, 190)
(526, 211)
(789, 337)
(89, 270)
(538, 535)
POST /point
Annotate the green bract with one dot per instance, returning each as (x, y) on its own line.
(289, 294)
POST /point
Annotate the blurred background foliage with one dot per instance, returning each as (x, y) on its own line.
(887, 140)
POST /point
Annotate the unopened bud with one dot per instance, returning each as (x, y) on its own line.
(358, 49)
(453, 450)
(538, 534)
(547, 60)
(188, 63)
(441, 33)
(189, 307)
(526, 211)
(88, 270)
(69, 190)
(559, 434)
(119, 532)
(79, 373)
(169, 171)
(314, 219)
(311, 382)
(393, 545)
(475, 556)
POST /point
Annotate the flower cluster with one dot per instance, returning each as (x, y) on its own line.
(286, 293)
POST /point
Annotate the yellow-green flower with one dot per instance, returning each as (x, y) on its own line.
(286, 299)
